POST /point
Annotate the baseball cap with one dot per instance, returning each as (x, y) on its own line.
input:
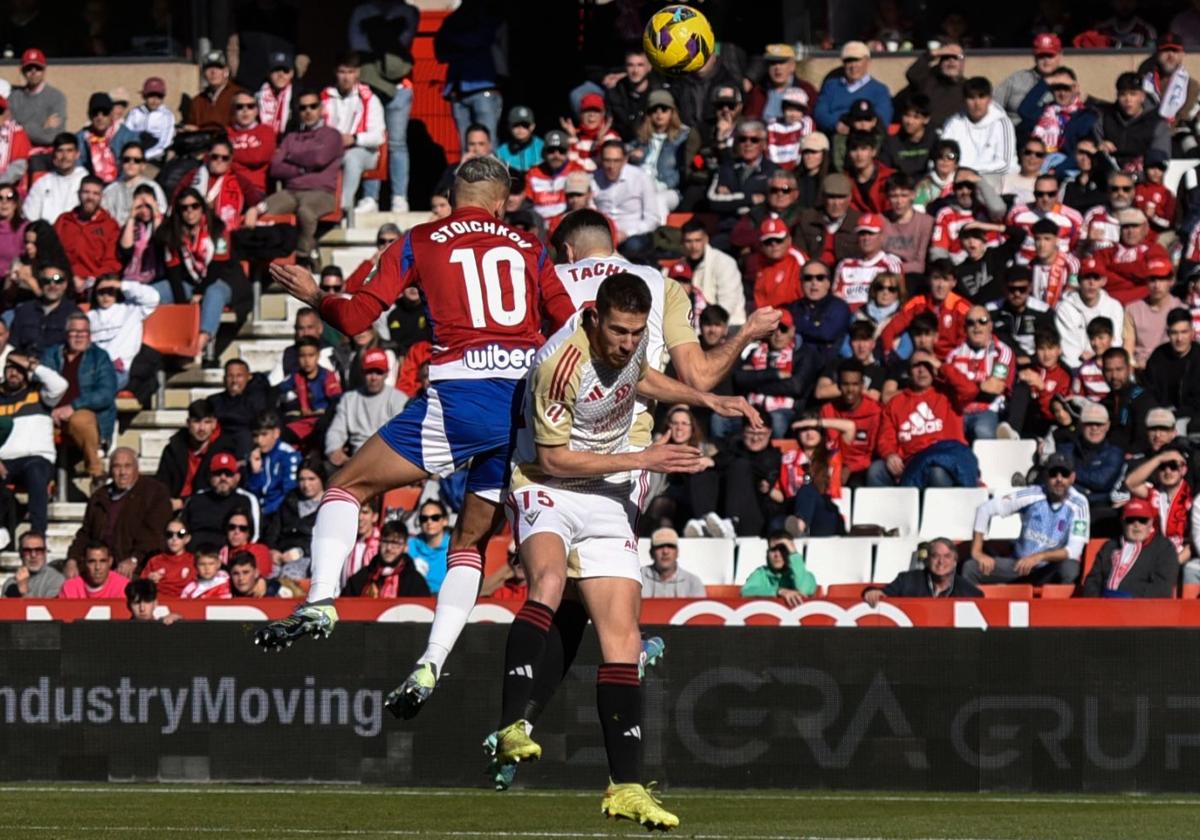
(1170, 41)
(1131, 216)
(1059, 460)
(836, 184)
(33, 56)
(1156, 158)
(223, 461)
(1138, 507)
(660, 97)
(785, 317)
(1160, 418)
(1090, 266)
(99, 102)
(1128, 81)
(155, 85)
(796, 96)
(519, 114)
(375, 359)
(557, 140)
(1093, 413)
(779, 52)
(860, 109)
(578, 183)
(815, 141)
(214, 58)
(1046, 43)
(772, 227)
(680, 271)
(591, 102)
(869, 222)
(664, 536)
(855, 49)
(1159, 267)
(281, 60)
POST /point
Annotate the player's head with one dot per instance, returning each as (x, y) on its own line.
(482, 182)
(583, 233)
(618, 322)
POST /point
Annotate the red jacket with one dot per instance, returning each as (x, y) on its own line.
(951, 318)
(872, 197)
(778, 283)
(1128, 269)
(913, 421)
(1056, 381)
(856, 456)
(179, 571)
(252, 150)
(91, 244)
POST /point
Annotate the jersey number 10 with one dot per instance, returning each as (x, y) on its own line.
(487, 293)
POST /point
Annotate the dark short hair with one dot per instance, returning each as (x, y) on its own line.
(1047, 338)
(714, 313)
(330, 270)
(243, 558)
(861, 329)
(65, 138)
(141, 591)
(585, 218)
(917, 103)
(1115, 353)
(393, 528)
(206, 550)
(977, 86)
(240, 510)
(1064, 70)
(623, 292)
(236, 363)
(923, 323)
(942, 267)
(946, 146)
(201, 409)
(1100, 325)
(268, 419)
(351, 58)
(1177, 315)
(1017, 272)
(860, 140)
(91, 180)
(613, 144)
(308, 341)
(97, 545)
(692, 225)
(475, 128)
(901, 180)
(851, 366)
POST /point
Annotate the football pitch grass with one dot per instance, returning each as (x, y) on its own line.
(87, 812)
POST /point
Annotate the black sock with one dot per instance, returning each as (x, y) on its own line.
(619, 701)
(562, 644)
(523, 658)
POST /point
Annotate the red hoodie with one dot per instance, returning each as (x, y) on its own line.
(1128, 269)
(951, 319)
(252, 150)
(915, 420)
(91, 244)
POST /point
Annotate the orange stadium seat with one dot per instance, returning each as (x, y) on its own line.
(848, 591)
(1089, 557)
(1008, 591)
(1056, 590)
(173, 329)
(723, 590)
(380, 171)
(1190, 591)
(401, 498)
(496, 554)
(785, 444)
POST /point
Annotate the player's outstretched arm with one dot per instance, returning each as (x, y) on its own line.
(350, 314)
(662, 388)
(561, 462)
(704, 370)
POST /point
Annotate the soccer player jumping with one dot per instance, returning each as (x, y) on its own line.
(485, 286)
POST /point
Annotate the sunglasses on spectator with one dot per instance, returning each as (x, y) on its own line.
(191, 205)
(1044, 193)
(1033, 153)
(383, 241)
(245, 106)
(556, 150)
(108, 290)
(104, 111)
(947, 156)
(331, 287)
(1019, 290)
(893, 289)
(432, 517)
(132, 159)
(775, 240)
(726, 103)
(224, 473)
(1174, 466)
(34, 549)
(661, 108)
(978, 322)
(783, 329)
(54, 279)
(1119, 188)
(211, 156)
(964, 185)
(313, 106)
(781, 190)
(1059, 472)
(8, 196)
(746, 138)
(1138, 520)
(814, 277)
(1060, 88)
(243, 529)
(175, 535)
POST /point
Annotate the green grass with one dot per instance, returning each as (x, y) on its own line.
(84, 812)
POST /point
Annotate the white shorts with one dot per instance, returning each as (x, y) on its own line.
(595, 529)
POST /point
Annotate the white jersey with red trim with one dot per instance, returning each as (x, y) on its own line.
(980, 364)
(853, 276)
(1101, 228)
(1070, 226)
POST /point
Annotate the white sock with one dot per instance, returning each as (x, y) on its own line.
(333, 538)
(455, 600)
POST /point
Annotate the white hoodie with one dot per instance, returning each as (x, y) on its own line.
(1072, 316)
(118, 329)
(988, 146)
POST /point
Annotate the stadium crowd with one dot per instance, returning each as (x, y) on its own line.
(962, 259)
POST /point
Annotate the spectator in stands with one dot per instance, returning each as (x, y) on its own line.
(1020, 184)
(812, 168)
(222, 190)
(253, 144)
(186, 462)
(1153, 197)
(12, 230)
(200, 262)
(207, 510)
(362, 412)
(138, 249)
(782, 202)
(428, 549)
(626, 93)
(523, 149)
(1099, 465)
(990, 367)
(86, 413)
(907, 232)
(921, 439)
(714, 273)
(1079, 307)
(1127, 129)
(939, 181)
(783, 576)
(1161, 479)
(57, 191)
(860, 119)
(853, 83)
(353, 109)
(786, 133)
(1141, 563)
(366, 545)
(1146, 319)
(778, 267)
(853, 404)
(173, 568)
(971, 200)
(1134, 259)
(237, 407)
(40, 247)
(810, 477)
(40, 324)
(246, 580)
(909, 148)
(748, 469)
(465, 43)
(1059, 122)
(211, 582)
(153, 117)
(1127, 402)
(96, 577)
(391, 573)
(662, 577)
(854, 275)
(984, 133)
(306, 324)
(743, 176)
(1172, 373)
(119, 309)
(949, 308)
(821, 318)
(627, 195)
(662, 147)
(128, 513)
(868, 177)
(212, 107)
(277, 96)
(938, 76)
(296, 519)
(939, 578)
(1031, 411)
(507, 583)
(593, 131)
(1082, 188)
(1173, 93)
(141, 599)
(1101, 226)
(119, 197)
(307, 161)
(103, 139)
(688, 498)
(14, 146)
(308, 397)
(828, 232)
(34, 578)
(1019, 317)
(1089, 377)
(273, 464)
(980, 274)
(89, 236)
(545, 184)
(1055, 526)
(38, 107)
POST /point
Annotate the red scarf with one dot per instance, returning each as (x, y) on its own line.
(104, 162)
(10, 132)
(1053, 123)
(194, 457)
(1173, 513)
(762, 358)
(274, 108)
(385, 580)
(1058, 274)
(364, 97)
(199, 250)
(1123, 558)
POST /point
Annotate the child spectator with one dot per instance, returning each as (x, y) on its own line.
(785, 133)
(308, 397)
(1030, 413)
(909, 148)
(1089, 378)
(96, 578)
(245, 581)
(391, 573)
(297, 516)
(1152, 197)
(366, 546)
(211, 581)
(173, 569)
(273, 464)
(153, 117)
(853, 276)
(141, 599)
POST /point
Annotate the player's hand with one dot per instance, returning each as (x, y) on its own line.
(673, 458)
(298, 282)
(762, 322)
(735, 407)
(986, 563)
(873, 597)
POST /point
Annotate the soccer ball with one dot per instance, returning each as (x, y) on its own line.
(678, 40)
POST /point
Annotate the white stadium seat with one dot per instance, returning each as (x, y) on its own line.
(999, 459)
(709, 559)
(834, 560)
(751, 553)
(950, 512)
(893, 555)
(889, 507)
